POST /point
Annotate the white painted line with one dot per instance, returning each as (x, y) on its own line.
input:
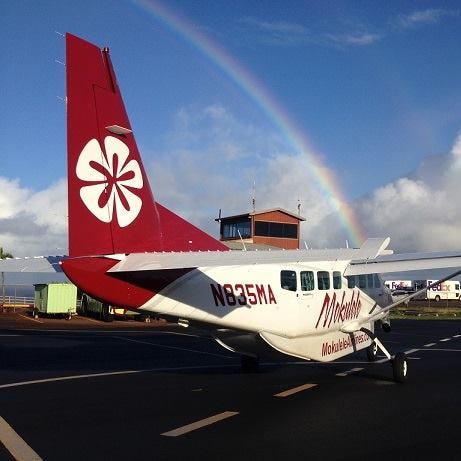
(457, 336)
(30, 318)
(15, 444)
(173, 347)
(341, 374)
(199, 424)
(445, 350)
(354, 370)
(411, 351)
(68, 378)
(8, 336)
(385, 359)
(295, 390)
(445, 340)
(429, 345)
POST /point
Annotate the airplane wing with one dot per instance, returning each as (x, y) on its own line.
(47, 264)
(178, 260)
(404, 262)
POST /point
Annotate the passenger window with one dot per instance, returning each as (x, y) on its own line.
(337, 282)
(323, 280)
(350, 281)
(288, 280)
(377, 281)
(370, 280)
(362, 281)
(307, 281)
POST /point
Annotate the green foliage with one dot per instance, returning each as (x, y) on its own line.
(4, 255)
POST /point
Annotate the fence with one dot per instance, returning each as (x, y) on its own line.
(12, 296)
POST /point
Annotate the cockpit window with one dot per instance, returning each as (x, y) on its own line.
(370, 281)
(377, 281)
(323, 280)
(362, 281)
(350, 281)
(307, 281)
(288, 280)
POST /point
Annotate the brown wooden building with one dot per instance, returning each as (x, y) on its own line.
(273, 228)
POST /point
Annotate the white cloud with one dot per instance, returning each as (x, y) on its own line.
(282, 33)
(277, 32)
(424, 17)
(33, 223)
(211, 162)
(419, 213)
(353, 39)
(346, 33)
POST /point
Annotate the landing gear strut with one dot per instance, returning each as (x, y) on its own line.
(399, 361)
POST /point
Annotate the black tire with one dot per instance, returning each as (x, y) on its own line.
(400, 367)
(437, 298)
(145, 318)
(106, 316)
(372, 352)
(249, 364)
(84, 306)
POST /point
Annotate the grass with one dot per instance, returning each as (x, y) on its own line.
(424, 312)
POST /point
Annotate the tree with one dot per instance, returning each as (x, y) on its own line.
(4, 255)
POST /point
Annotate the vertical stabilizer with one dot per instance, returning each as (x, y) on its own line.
(111, 206)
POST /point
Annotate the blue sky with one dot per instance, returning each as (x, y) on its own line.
(374, 86)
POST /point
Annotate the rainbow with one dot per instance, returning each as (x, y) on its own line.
(322, 175)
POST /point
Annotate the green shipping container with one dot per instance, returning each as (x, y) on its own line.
(55, 298)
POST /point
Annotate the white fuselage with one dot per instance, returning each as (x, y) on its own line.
(298, 308)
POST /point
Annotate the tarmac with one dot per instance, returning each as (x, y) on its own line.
(83, 389)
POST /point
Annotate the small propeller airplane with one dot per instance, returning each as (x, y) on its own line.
(125, 249)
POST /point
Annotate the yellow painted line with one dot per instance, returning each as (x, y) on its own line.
(199, 424)
(295, 390)
(16, 444)
(30, 318)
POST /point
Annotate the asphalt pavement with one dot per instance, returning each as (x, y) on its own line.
(170, 393)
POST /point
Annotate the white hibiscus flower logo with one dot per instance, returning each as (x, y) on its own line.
(111, 180)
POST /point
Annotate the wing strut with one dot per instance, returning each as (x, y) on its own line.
(412, 295)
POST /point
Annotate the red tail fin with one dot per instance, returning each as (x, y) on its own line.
(111, 207)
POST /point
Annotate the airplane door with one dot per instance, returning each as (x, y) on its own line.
(307, 288)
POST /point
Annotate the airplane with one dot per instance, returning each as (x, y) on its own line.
(126, 249)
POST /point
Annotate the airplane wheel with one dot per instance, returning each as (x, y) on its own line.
(106, 316)
(372, 352)
(249, 364)
(400, 367)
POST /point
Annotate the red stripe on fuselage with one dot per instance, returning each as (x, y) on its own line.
(132, 289)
